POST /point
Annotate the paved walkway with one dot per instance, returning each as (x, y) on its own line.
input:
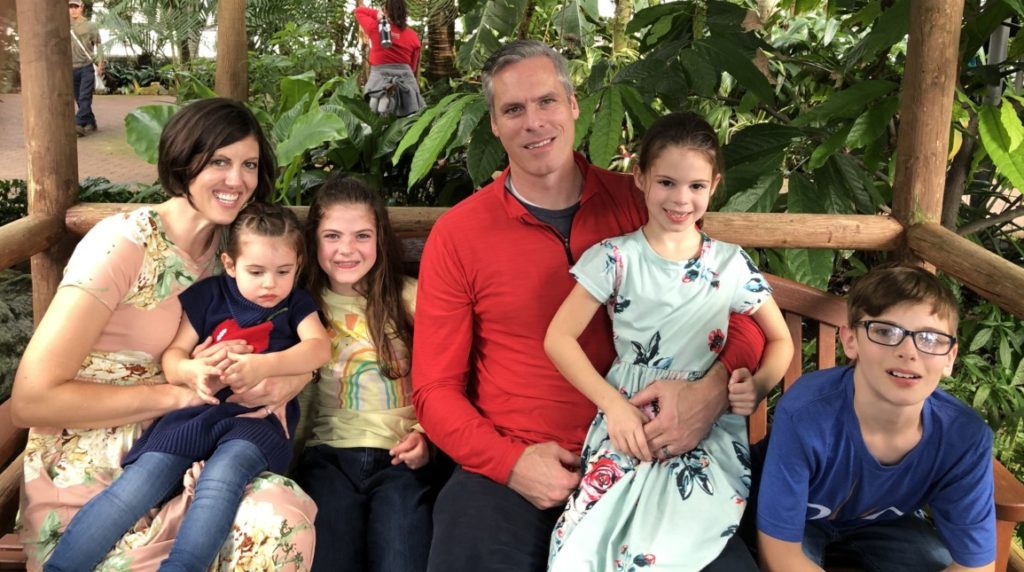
(104, 153)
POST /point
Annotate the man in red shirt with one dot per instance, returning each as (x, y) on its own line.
(493, 272)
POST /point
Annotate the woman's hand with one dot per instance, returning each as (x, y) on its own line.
(626, 429)
(272, 392)
(413, 450)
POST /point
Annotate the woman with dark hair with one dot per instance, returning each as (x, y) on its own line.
(90, 379)
(392, 88)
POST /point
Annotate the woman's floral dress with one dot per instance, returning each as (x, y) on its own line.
(669, 321)
(128, 263)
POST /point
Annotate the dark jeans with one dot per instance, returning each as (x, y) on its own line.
(146, 483)
(85, 84)
(371, 515)
(480, 525)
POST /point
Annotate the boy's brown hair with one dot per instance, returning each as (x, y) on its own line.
(890, 285)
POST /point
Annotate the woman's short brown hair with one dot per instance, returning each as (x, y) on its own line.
(194, 134)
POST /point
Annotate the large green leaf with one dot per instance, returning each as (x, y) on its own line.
(296, 88)
(804, 197)
(758, 198)
(308, 132)
(977, 30)
(890, 28)
(392, 137)
(474, 112)
(498, 19)
(847, 103)
(701, 76)
(637, 107)
(571, 23)
(724, 55)
(414, 132)
(606, 133)
(485, 155)
(812, 267)
(282, 128)
(143, 127)
(998, 131)
(435, 141)
(654, 14)
(755, 142)
(724, 17)
(872, 123)
(822, 152)
(587, 106)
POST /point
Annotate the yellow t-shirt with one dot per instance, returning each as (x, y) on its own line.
(355, 405)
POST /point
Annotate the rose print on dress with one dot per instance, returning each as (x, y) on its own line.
(716, 340)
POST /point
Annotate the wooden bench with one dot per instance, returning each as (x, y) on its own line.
(810, 315)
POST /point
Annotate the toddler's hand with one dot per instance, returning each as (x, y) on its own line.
(413, 450)
(743, 398)
(626, 429)
(244, 372)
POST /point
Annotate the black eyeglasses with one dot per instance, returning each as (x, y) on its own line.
(886, 334)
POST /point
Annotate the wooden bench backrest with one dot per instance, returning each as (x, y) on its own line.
(823, 314)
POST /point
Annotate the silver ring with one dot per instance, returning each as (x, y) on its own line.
(268, 410)
(664, 451)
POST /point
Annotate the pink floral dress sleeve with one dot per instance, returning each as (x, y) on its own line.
(130, 265)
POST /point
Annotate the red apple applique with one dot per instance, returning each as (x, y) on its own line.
(257, 336)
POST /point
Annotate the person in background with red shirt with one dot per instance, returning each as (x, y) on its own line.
(393, 87)
(494, 270)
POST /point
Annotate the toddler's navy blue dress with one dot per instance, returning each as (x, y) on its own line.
(216, 308)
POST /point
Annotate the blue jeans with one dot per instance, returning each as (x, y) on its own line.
(148, 482)
(371, 515)
(908, 543)
(85, 84)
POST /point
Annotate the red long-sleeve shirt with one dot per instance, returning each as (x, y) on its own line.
(491, 278)
(405, 44)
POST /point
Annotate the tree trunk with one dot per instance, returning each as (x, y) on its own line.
(44, 42)
(441, 55)
(925, 105)
(232, 55)
(623, 14)
(524, 26)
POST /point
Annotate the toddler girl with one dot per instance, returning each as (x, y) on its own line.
(254, 300)
(669, 289)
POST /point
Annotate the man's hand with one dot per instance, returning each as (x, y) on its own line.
(545, 475)
(412, 450)
(686, 410)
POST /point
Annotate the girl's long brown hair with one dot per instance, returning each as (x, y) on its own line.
(386, 315)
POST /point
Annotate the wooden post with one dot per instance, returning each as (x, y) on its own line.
(44, 42)
(925, 105)
(232, 50)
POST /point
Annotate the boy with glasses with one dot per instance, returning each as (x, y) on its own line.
(857, 452)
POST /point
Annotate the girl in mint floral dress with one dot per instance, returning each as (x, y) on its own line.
(90, 380)
(669, 289)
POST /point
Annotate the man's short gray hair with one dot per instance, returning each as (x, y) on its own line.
(518, 51)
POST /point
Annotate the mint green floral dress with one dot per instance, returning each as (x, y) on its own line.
(128, 263)
(669, 321)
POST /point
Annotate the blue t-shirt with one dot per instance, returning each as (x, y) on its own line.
(818, 467)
